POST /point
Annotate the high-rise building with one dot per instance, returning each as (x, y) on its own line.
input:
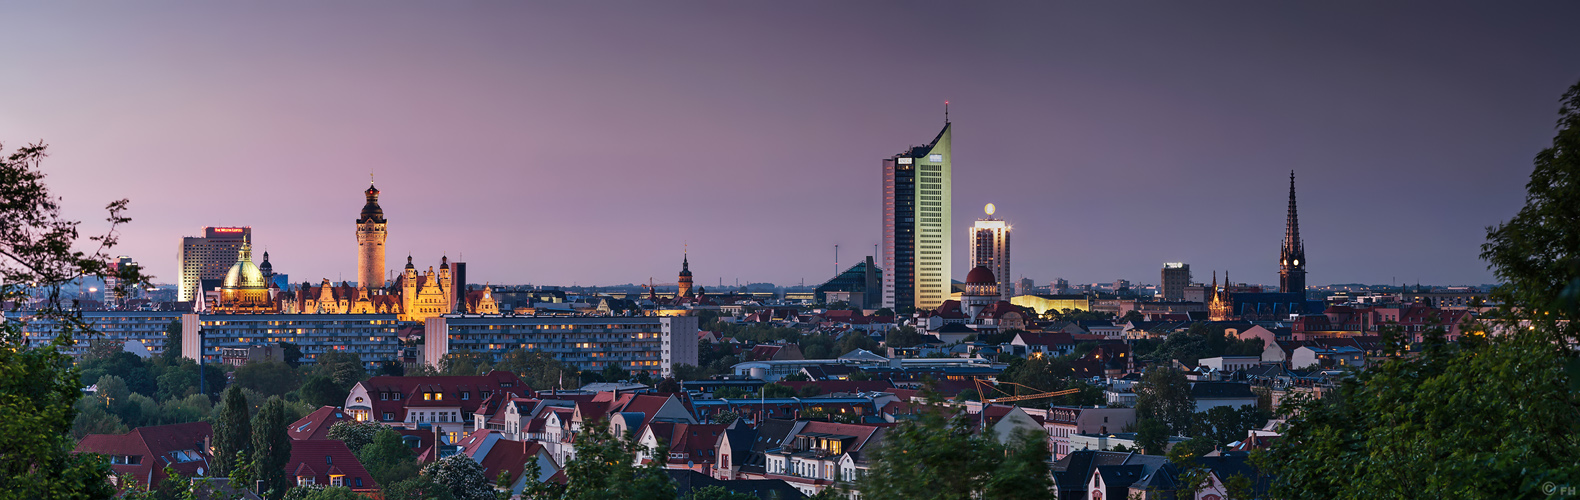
(1292, 260)
(371, 232)
(1176, 276)
(990, 249)
(208, 257)
(916, 218)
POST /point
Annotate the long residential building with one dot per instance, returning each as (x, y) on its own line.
(652, 344)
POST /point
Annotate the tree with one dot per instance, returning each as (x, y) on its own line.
(1022, 475)
(1483, 417)
(726, 417)
(462, 476)
(271, 447)
(615, 373)
(905, 336)
(417, 488)
(269, 378)
(730, 393)
(936, 456)
(172, 349)
(38, 385)
(319, 390)
(232, 429)
(292, 354)
(604, 468)
(388, 459)
(355, 434)
(1537, 253)
(718, 493)
(1164, 395)
(1152, 435)
(809, 391)
(344, 368)
(778, 391)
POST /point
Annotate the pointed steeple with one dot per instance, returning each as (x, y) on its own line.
(1292, 257)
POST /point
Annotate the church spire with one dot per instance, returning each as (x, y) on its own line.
(1292, 258)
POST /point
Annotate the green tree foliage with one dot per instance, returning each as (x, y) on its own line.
(1224, 425)
(809, 391)
(321, 492)
(318, 391)
(1202, 340)
(905, 336)
(269, 378)
(271, 448)
(604, 468)
(345, 369)
(417, 488)
(797, 377)
(39, 387)
(1536, 254)
(726, 417)
(778, 391)
(1488, 417)
(292, 354)
(462, 476)
(1152, 435)
(730, 393)
(188, 409)
(1022, 474)
(130, 368)
(1496, 420)
(1164, 395)
(355, 434)
(538, 369)
(388, 459)
(718, 493)
(937, 456)
(172, 349)
(232, 429)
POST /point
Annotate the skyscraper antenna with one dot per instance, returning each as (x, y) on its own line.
(946, 112)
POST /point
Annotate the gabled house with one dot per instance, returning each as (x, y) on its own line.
(327, 462)
(810, 457)
(143, 453)
(1048, 344)
(447, 404)
(497, 454)
(690, 446)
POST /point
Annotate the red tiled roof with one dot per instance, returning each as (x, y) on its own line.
(156, 447)
(323, 457)
(412, 389)
(316, 424)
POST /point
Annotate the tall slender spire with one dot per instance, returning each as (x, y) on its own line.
(1292, 257)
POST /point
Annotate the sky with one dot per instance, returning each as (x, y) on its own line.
(595, 142)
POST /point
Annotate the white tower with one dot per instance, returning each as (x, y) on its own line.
(989, 240)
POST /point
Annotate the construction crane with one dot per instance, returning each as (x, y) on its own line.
(1038, 395)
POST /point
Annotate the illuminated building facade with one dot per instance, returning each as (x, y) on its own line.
(989, 239)
(372, 229)
(208, 257)
(684, 281)
(652, 344)
(917, 202)
(245, 290)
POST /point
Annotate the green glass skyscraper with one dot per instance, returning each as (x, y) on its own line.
(916, 219)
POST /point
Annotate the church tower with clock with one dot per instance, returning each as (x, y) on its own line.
(1292, 260)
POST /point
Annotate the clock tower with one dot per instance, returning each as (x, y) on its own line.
(1292, 260)
(371, 232)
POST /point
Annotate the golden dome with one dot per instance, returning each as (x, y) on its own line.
(245, 275)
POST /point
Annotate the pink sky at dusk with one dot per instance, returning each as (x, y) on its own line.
(587, 143)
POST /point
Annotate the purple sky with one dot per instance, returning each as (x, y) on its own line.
(587, 142)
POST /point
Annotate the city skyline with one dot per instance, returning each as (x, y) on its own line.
(1114, 140)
